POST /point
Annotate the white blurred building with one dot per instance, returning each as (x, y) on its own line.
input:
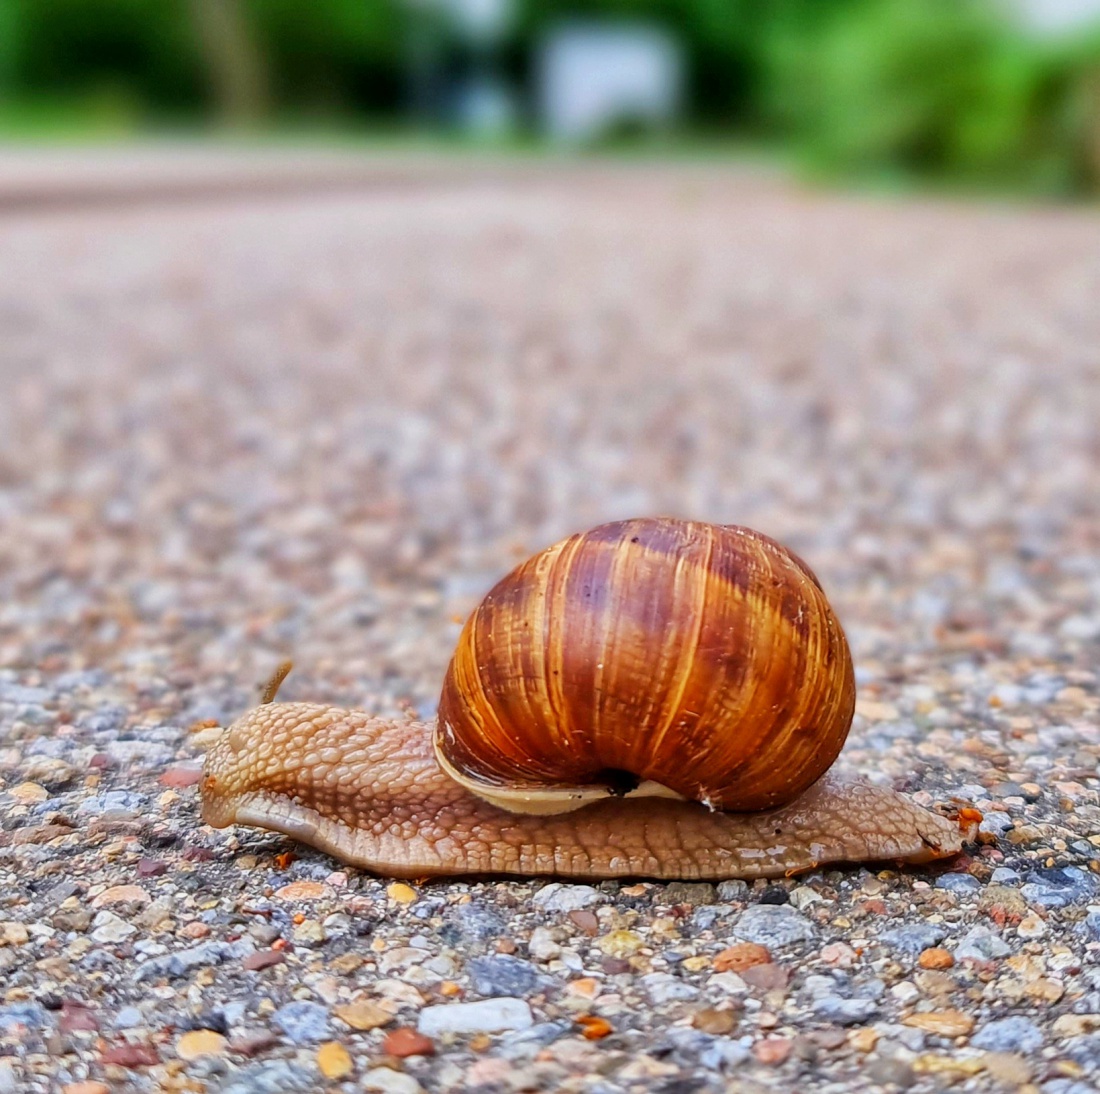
(593, 77)
(1058, 16)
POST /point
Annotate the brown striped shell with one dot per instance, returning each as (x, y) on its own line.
(649, 656)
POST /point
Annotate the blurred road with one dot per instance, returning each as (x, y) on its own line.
(291, 395)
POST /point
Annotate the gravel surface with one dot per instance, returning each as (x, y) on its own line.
(322, 425)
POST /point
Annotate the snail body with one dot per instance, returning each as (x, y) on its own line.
(653, 698)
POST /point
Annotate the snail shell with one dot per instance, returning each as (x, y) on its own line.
(654, 656)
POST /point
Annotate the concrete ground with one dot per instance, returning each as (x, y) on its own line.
(244, 420)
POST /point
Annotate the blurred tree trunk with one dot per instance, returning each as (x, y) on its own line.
(1092, 133)
(235, 63)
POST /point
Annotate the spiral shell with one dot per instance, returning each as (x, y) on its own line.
(649, 656)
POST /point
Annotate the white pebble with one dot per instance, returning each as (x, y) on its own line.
(486, 1016)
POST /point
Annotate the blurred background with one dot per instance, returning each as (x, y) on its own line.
(998, 94)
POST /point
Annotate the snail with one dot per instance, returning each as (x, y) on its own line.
(652, 698)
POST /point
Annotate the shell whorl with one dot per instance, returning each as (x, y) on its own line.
(697, 659)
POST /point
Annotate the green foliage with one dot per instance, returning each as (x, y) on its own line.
(943, 89)
(129, 53)
(332, 55)
(940, 88)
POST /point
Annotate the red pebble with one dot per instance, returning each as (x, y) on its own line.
(261, 959)
(181, 776)
(407, 1042)
(76, 1017)
(765, 977)
(772, 1051)
(127, 1055)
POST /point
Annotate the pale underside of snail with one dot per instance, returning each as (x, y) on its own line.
(653, 698)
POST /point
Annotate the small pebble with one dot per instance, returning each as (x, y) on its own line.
(558, 897)
(773, 926)
(334, 1061)
(1015, 1034)
(742, 956)
(935, 958)
(384, 1080)
(912, 939)
(363, 1016)
(486, 1016)
(663, 987)
(943, 1023)
(503, 974)
(981, 944)
(303, 1022)
(845, 1012)
(1031, 927)
(958, 883)
(407, 1042)
(200, 1042)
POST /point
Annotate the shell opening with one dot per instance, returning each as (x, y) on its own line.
(546, 799)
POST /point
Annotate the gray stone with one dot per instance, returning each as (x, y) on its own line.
(1009, 1035)
(891, 1071)
(272, 1077)
(1084, 628)
(995, 823)
(733, 891)
(34, 715)
(113, 801)
(724, 1054)
(475, 923)
(384, 1080)
(1067, 1086)
(557, 897)
(705, 916)
(803, 896)
(693, 1047)
(869, 989)
(958, 883)
(302, 1021)
(31, 1015)
(913, 938)
(663, 987)
(773, 925)
(981, 944)
(972, 792)
(138, 754)
(183, 961)
(1004, 875)
(845, 1012)
(21, 693)
(109, 927)
(1090, 925)
(1084, 1050)
(107, 719)
(485, 1016)
(818, 984)
(689, 892)
(128, 1018)
(524, 1044)
(502, 974)
(1055, 888)
(86, 678)
(904, 1036)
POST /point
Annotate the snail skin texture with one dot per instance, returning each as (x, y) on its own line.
(652, 698)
